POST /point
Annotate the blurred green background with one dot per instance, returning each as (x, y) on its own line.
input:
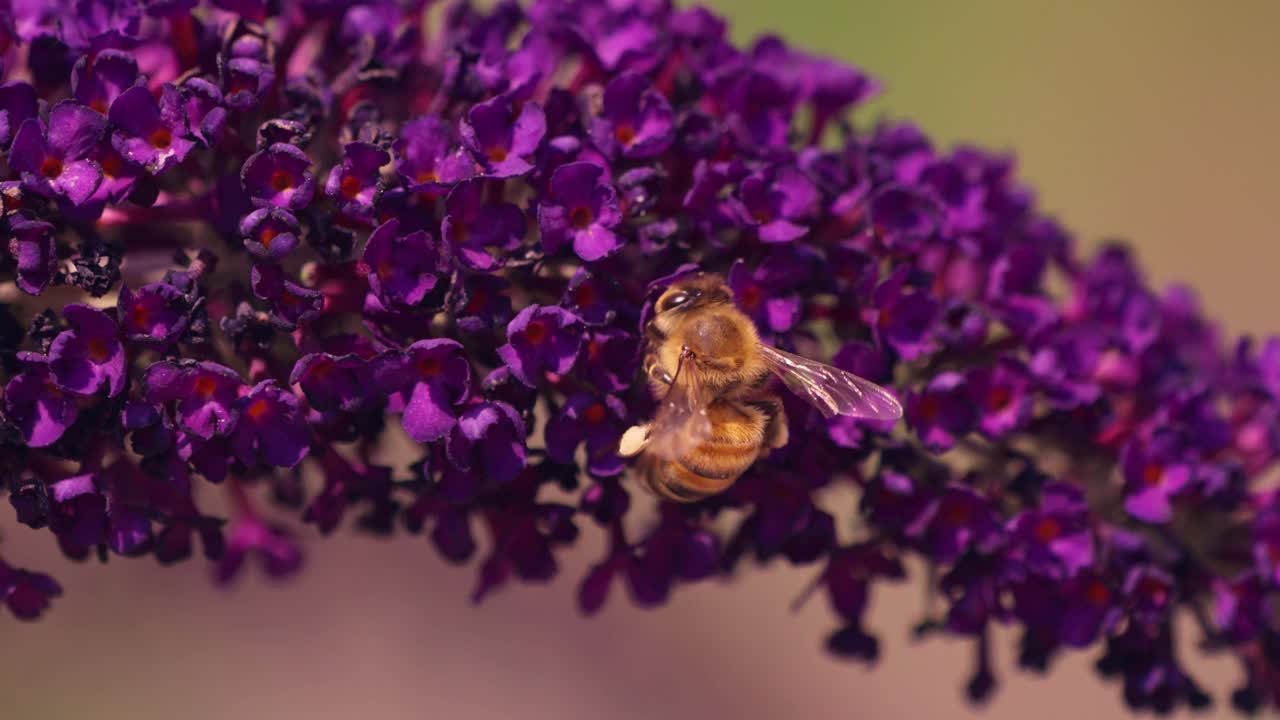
(1145, 120)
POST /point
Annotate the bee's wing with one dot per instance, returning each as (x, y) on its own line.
(680, 424)
(830, 389)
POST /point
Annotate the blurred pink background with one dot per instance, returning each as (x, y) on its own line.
(1152, 121)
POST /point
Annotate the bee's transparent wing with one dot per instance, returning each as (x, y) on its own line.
(830, 389)
(680, 423)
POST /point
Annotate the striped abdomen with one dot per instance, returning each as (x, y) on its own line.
(736, 439)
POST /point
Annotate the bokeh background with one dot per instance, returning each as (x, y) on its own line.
(1150, 120)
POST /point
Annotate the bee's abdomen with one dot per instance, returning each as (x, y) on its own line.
(715, 464)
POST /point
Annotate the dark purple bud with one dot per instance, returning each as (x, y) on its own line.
(32, 247)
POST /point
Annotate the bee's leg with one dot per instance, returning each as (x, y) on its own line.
(776, 432)
(654, 371)
(725, 365)
(633, 440)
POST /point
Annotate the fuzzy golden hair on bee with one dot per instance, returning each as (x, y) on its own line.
(716, 414)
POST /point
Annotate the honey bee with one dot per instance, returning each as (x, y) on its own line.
(716, 414)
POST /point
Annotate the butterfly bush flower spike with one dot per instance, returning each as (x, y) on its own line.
(249, 243)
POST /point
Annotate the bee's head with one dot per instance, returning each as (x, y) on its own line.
(693, 291)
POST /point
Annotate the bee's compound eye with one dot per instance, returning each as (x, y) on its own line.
(677, 300)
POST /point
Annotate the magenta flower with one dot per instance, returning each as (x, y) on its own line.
(636, 121)
(502, 138)
(270, 233)
(32, 248)
(428, 158)
(779, 204)
(332, 381)
(246, 80)
(1155, 473)
(581, 211)
(206, 115)
(595, 421)
(156, 314)
(290, 302)
(485, 449)
(278, 555)
(53, 160)
(541, 339)
(206, 395)
(353, 182)
(271, 427)
(151, 133)
(480, 233)
(89, 356)
(405, 270)
(99, 80)
(280, 176)
(427, 381)
(34, 402)
(27, 594)
(17, 105)
(1055, 539)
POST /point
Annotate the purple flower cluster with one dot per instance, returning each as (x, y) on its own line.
(250, 241)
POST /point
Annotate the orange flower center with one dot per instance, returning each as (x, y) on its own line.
(259, 409)
(241, 84)
(624, 134)
(428, 366)
(584, 295)
(427, 176)
(1097, 593)
(537, 332)
(281, 180)
(1048, 530)
(1156, 590)
(99, 351)
(1153, 474)
(957, 513)
(930, 408)
(350, 186)
(140, 315)
(322, 369)
(51, 167)
(206, 386)
(999, 398)
(267, 235)
(497, 154)
(112, 165)
(161, 138)
(581, 217)
(595, 414)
